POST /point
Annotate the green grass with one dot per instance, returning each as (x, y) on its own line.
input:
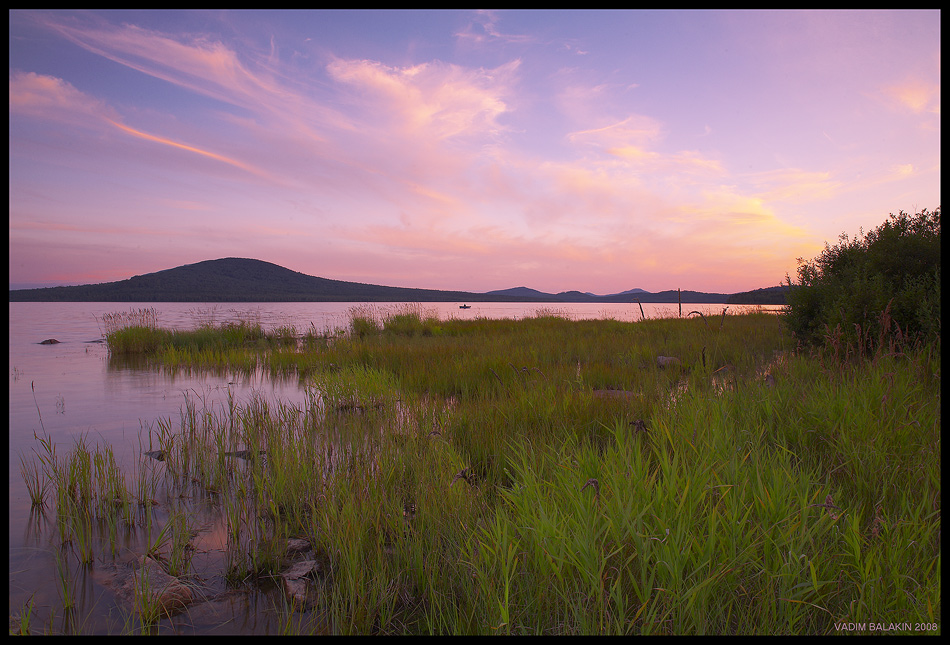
(547, 476)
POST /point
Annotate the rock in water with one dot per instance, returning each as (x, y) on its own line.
(150, 587)
(297, 582)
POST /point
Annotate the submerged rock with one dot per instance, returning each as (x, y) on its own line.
(302, 569)
(150, 588)
(49, 341)
(217, 611)
(297, 582)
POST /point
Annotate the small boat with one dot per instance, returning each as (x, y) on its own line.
(465, 306)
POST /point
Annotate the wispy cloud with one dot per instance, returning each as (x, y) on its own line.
(188, 148)
(46, 97)
(401, 134)
(432, 99)
(529, 165)
(918, 96)
(793, 185)
(197, 63)
(409, 120)
(483, 28)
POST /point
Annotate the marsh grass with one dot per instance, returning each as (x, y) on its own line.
(36, 480)
(20, 625)
(547, 476)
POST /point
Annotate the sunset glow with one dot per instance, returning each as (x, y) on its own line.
(474, 150)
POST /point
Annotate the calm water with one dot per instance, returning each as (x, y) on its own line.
(72, 388)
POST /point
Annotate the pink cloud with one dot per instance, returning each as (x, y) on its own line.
(794, 185)
(917, 95)
(47, 97)
(203, 66)
(484, 29)
(301, 139)
(635, 130)
(426, 165)
(182, 146)
(434, 100)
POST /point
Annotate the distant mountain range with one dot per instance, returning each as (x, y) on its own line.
(247, 280)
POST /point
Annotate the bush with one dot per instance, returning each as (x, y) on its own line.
(882, 286)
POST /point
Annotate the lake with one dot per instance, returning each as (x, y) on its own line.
(73, 389)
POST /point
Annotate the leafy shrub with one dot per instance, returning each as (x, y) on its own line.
(876, 287)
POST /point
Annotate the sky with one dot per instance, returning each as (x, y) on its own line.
(596, 151)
